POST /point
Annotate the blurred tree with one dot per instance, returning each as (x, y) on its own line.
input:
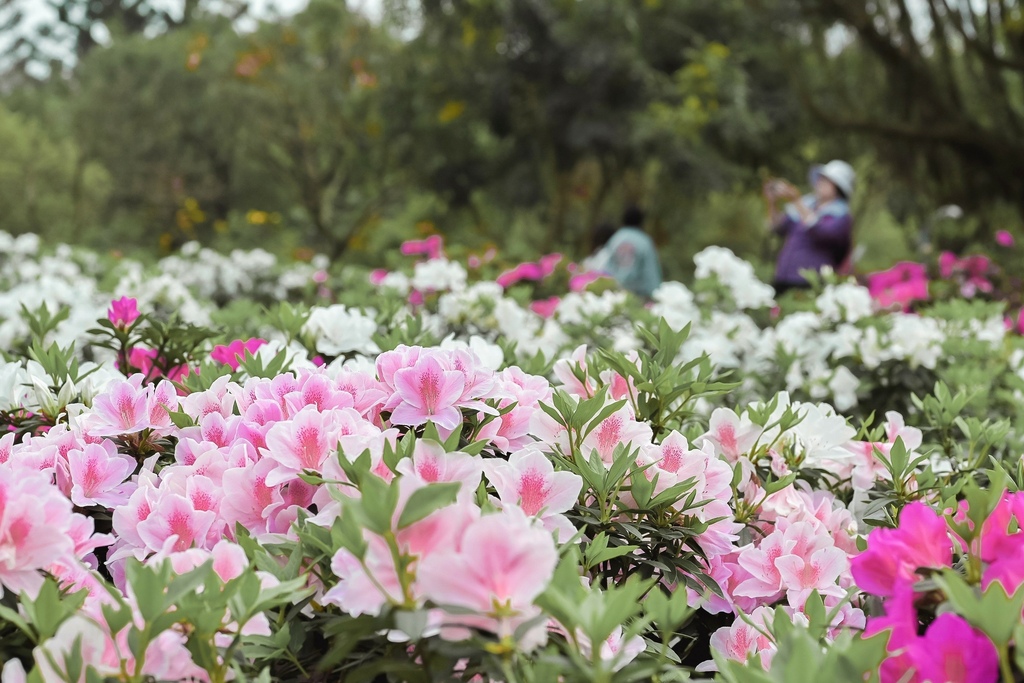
(937, 85)
(46, 185)
(67, 30)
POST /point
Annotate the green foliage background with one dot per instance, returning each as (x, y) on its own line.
(513, 123)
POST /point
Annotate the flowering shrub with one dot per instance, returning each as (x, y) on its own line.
(459, 488)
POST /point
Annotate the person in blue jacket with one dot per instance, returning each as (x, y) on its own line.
(817, 229)
(630, 256)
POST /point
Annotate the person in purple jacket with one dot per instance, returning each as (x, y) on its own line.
(817, 229)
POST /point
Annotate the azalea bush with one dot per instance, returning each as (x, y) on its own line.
(370, 502)
(456, 484)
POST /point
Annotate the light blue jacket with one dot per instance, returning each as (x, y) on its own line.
(630, 258)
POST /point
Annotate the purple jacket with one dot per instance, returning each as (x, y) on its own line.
(826, 242)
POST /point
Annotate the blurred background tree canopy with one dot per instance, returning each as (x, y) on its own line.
(140, 124)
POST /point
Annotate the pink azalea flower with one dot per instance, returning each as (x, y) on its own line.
(902, 284)
(431, 464)
(248, 499)
(947, 263)
(300, 444)
(123, 312)
(498, 566)
(35, 529)
(377, 276)
(578, 283)
(357, 593)
(232, 354)
(432, 247)
(894, 555)
(743, 640)
(619, 428)
(564, 370)
(524, 271)
(615, 650)
(954, 652)
(145, 361)
(997, 541)
(528, 479)
(97, 474)
(548, 263)
(175, 524)
(1004, 238)
(733, 436)
(545, 308)
(123, 408)
(818, 571)
(428, 392)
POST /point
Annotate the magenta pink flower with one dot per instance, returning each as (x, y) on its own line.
(145, 361)
(524, 271)
(549, 263)
(545, 308)
(578, 283)
(954, 652)
(903, 283)
(428, 392)
(123, 312)
(232, 354)
(947, 263)
(894, 555)
(432, 247)
(1004, 238)
(377, 276)
(97, 474)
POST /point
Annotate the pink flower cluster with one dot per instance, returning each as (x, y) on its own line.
(432, 247)
(530, 271)
(902, 284)
(896, 559)
(972, 272)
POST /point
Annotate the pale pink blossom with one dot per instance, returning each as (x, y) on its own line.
(301, 444)
(566, 370)
(176, 524)
(98, 473)
(498, 566)
(431, 464)
(732, 435)
(35, 529)
(428, 392)
(529, 480)
(123, 408)
(618, 429)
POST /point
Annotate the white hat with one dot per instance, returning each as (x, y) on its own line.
(841, 174)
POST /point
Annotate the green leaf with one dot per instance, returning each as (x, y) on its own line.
(426, 500)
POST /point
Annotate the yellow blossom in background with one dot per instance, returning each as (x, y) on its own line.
(426, 228)
(468, 33)
(257, 217)
(451, 110)
(195, 51)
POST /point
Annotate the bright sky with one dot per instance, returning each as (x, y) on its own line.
(37, 12)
